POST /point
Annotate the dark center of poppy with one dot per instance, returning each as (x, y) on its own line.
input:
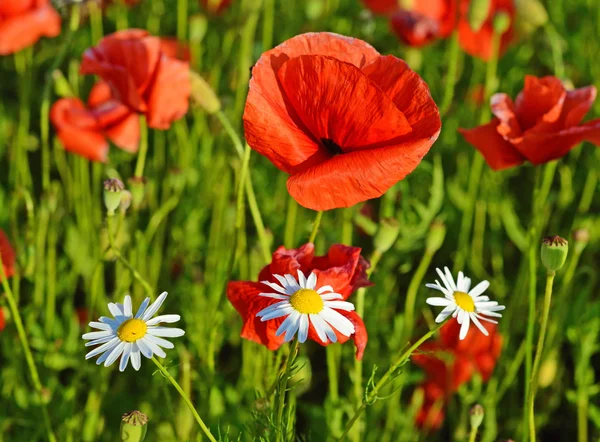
(331, 146)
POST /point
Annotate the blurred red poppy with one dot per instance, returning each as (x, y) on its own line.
(84, 130)
(23, 22)
(141, 75)
(215, 6)
(543, 124)
(2, 319)
(343, 268)
(427, 20)
(431, 414)
(8, 255)
(381, 6)
(304, 114)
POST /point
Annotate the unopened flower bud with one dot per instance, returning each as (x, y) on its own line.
(554, 252)
(435, 237)
(531, 15)
(112, 194)
(138, 187)
(478, 13)
(476, 413)
(501, 22)
(386, 235)
(198, 27)
(203, 94)
(134, 426)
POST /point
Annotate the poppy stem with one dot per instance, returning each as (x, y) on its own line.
(282, 388)
(141, 160)
(533, 383)
(372, 395)
(316, 225)
(453, 56)
(35, 377)
(185, 398)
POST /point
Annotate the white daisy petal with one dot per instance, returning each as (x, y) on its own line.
(282, 281)
(488, 305)
(311, 282)
(272, 307)
(449, 278)
(274, 286)
(485, 319)
(154, 307)
(166, 332)
(100, 326)
(440, 288)
(325, 288)
(169, 319)
(100, 340)
(479, 289)
(481, 298)
(466, 284)
(459, 281)
(159, 341)
(337, 321)
(136, 358)
(292, 329)
(331, 296)
(461, 315)
(108, 346)
(292, 283)
(439, 302)
(489, 313)
(444, 280)
(125, 357)
(303, 328)
(114, 323)
(293, 317)
(445, 313)
(274, 295)
(97, 334)
(478, 324)
(115, 353)
(114, 309)
(301, 278)
(143, 307)
(464, 328)
(145, 349)
(494, 308)
(340, 305)
(277, 313)
(319, 325)
(156, 350)
(127, 310)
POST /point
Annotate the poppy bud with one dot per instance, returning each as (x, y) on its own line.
(478, 13)
(112, 194)
(61, 85)
(387, 234)
(435, 237)
(501, 22)
(554, 252)
(137, 186)
(203, 94)
(531, 15)
(476, 414)
(134, 426)
(198, 26)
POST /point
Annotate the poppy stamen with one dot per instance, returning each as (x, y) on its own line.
(331, 146)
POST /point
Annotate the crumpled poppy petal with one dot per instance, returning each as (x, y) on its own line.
(504, 109)
(414, 28)
(577, 104)
(271, 127)
(541, 101)
(21, 27)
(288, 261)
(244, 297)
(170, 92)
(126, 133)
(8, 255)
(321, 90)
(498, 153)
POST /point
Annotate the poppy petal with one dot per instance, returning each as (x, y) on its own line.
(8, 255)
(126, 133)
(504, 109)
(415, 29)
(577, 103)
(288, 261)
(541, 101)
(340, 269)
(25, 27)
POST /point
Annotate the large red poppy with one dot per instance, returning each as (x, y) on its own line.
(345, 122)
(543, 124)
(427, 20)
(343, 268)
(8, 255)
(141, 75)
(215, 6)
(85, 130)
(23, 22)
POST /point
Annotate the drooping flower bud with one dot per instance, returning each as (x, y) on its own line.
(554, 252)
(386, 235)
(134, 426)
(501, 22)
(476, 413)
(478, 13)
(203, 94)
(112, 194)
(435, 237)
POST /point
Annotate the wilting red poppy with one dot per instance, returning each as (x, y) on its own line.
(345, 122)
(381, 6)
(336, 275)
(8, 255)
(426, 21)
(84, 130)
(216, 6)
(479, 43)
(141, 75)
(23, 22)
(543, 124)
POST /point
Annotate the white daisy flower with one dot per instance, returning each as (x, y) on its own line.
(130, 336)
(302, 303)
(463, 304)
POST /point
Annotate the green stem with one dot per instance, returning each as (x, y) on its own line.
(182, 19)
(453, 55)
(283, 383)
(35, 377)
(185, 398)
(316, 225)
(533, 383)
(290, 223)
(372, 395)
(141, 160)
(582, 414)
(411, 294)
(473, 434)
(268, 19)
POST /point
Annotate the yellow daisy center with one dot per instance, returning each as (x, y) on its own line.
(464, 301)
(306, 301)
(132, 330)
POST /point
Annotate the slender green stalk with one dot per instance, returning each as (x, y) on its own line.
(473, 434)
(411, 294)
(453, 58)
(316, 225)
(143, 152)
(533, 383)
(182, 19)
(185, 398)
(282, 389)
(290, 223)
(33, 372)
(372, 395)
(582, 413)
(268, 19)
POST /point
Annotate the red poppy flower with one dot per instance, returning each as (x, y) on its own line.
(543, 124)
(23, 22)
(8, 255)
(381, 6)
(141, 75)
(215, 6)
(2, 319)
(84, 130)
(304, 114)
(479, 43)
(341, 272)
(431, 414)
(427, 20)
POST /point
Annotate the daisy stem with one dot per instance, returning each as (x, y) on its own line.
(185, 398)
(316, 225)
(35, 377)
(282, 388)
(371, 396)
(533, 383)
(141, 159)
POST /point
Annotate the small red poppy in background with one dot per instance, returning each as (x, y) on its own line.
(543, 124)
(381, 6)
(2, 319)
(24, 22)
(8, 255)
(428, 20)
(345, 122)
(141, 75)
(84, 130)
(215, 6)
(451, 362)
(316, 289)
